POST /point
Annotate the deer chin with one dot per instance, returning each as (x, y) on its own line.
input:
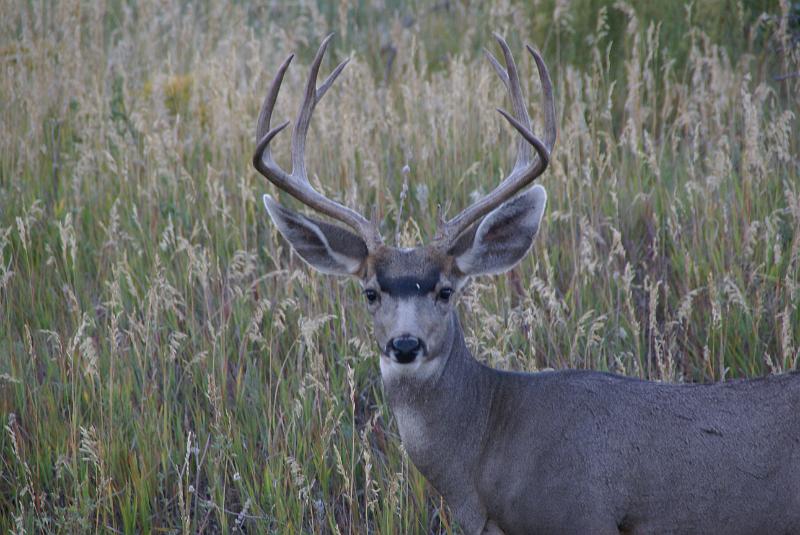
(422, 368)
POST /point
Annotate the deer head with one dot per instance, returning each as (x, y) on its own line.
(411, 293)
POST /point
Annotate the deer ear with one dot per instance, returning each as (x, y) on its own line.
(503, 237)
(325, 247)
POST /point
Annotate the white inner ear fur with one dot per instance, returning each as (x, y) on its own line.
(526, 216)
(345, 263)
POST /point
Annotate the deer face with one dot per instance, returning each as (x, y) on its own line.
(411, 293)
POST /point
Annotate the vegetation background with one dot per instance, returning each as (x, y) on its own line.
(168, 365)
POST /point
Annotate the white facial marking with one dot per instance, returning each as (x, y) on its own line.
(420, 368)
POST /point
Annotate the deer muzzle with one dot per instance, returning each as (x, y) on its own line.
(405, 349)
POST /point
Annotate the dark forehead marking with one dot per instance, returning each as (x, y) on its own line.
(408, 273)
(408, 286)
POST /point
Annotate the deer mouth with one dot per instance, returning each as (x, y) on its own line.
(405, 358)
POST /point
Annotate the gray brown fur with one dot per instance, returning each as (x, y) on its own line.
(588, 452)
(552, 452)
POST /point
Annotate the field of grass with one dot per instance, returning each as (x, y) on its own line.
(167, 365)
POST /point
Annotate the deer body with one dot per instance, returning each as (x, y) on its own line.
(590, 452)
(553, 452)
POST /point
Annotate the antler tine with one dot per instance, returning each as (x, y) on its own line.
(510, 78)
(551, 131)
(310, 100)
(526, 169)
(262, 159)
(297, 184)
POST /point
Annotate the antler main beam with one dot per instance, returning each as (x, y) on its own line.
(526, 168)
(296, 183)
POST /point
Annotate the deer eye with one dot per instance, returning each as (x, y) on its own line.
(371, 295)
(445, 293)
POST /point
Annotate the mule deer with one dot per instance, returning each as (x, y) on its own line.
(550, 452)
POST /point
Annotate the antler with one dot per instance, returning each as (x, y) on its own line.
(296, 183)
(526, 168)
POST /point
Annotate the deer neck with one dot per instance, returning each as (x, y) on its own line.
(442, 415)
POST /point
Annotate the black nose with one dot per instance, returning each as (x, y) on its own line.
(405, 348)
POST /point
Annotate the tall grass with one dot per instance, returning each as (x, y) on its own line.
(168, 365)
